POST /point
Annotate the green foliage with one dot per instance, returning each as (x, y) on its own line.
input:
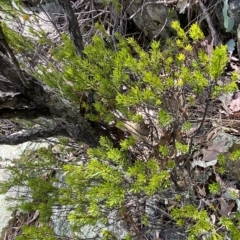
(152, 78)
(32, 174)
(18, 42)
(180, 32)
(235, 155)
(218, 62)
(126, 143)
(195, 32)
(214, 188)
(221, 159)
(128, 237)
(229, 224)
(201, 222)
(222, 163)
(183, 148)
(164, 150)
(126, 82)
(35, 233)
(164, 118)
(108, 235)
(10, 8)
(105, 182)
(186, 126)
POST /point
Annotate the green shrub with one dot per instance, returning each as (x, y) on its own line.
(126, 84)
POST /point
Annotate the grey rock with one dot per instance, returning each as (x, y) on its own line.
(153, 19)
(234, 11)
(173, 233)
(7, 153)
(33, 3)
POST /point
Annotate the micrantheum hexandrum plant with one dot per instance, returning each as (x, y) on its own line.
(222, 161)
(107, 182)
(33, 175)
(153, 79)
(201, 225)
(214, 188)
(198, 221)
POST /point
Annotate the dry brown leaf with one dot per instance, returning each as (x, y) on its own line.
(213, 218)
(235, 103)
(214, 133)
(225, 102)
(210, 49)
(35, 216)
(140, 132)
(182, 4)
(208, 156)
(225, 207)
(213, 151)
(203, 164)
(200, 191)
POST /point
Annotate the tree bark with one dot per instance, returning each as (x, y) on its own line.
(73, 26)
(26, 97)
(24, 113)
(14, 60)
(42, 97)
(32, 135)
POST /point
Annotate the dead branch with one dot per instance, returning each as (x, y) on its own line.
(215, 38)
(14, 60)
(14, 100)
(33, 135)
(73, 27)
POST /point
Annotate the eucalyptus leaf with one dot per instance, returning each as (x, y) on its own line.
(238, 31)
(231, 45)
(238, 205)
(228, 21)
